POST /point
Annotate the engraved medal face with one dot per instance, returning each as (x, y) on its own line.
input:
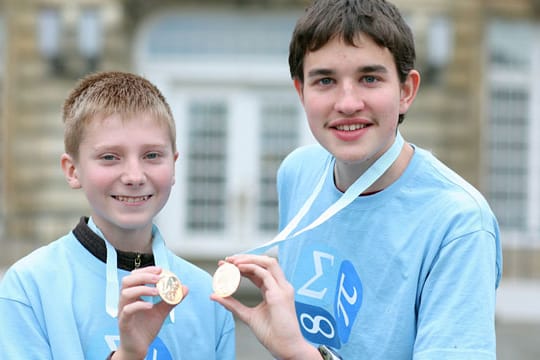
(226, 280)
(170, 288)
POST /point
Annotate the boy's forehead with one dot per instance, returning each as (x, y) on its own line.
(360, 39)
(119, 119)
(363, 50)
(126, 117)
(117, 131)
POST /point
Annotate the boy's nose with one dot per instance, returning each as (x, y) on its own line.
(349, 100)
(133, 174)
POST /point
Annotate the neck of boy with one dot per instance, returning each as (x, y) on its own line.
(345, 174)
(134, 241)
(130, 240)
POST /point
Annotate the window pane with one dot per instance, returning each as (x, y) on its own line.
(279, 135)
(48, 32)
(207, 145)
(508, 137)
(508, 151)
(90, 33)
(440, 41)
(223, 35)
(509, 44)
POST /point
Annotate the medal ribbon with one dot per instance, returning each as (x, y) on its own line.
(375, 171)
(160, 256)
(112, 290)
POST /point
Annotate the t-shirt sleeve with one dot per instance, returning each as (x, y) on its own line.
(226, 344)
(457, 302)
(21, 335)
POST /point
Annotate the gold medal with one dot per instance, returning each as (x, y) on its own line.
(170, 288)
(226, 280)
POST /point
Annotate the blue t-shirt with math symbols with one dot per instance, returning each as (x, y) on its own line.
(407, 273)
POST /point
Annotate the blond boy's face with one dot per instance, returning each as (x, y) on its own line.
(126, 170)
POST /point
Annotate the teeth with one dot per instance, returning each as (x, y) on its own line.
(351, 127)
(130, 199)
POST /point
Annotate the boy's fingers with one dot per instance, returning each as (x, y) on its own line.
(264, 261)
(147, 269)
(236, 307)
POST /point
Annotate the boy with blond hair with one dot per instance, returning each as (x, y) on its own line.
(92, 293)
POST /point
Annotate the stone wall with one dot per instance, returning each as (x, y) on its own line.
(37, 204)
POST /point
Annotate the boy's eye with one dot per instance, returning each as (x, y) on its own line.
(325, 81)
(152, 155)
(108, 157)
(369, 79)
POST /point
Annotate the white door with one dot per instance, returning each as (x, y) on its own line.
(231, 140)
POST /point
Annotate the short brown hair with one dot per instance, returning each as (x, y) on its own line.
(326, 19)
(107, 93)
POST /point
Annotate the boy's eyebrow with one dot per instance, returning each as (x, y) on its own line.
(375, 68)
(102, 147)
(320, 72)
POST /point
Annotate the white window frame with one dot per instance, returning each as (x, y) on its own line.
(534, 143)
(506, 78)
(242, 179)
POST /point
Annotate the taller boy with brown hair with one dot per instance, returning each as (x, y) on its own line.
(397, 257)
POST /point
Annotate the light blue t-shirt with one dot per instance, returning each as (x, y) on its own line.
(52, 306)
(407, 273)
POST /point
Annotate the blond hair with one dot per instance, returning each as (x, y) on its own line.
(105, 93)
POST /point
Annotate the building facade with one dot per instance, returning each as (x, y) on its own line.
(223, 68)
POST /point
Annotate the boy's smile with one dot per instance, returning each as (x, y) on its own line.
(131, 199)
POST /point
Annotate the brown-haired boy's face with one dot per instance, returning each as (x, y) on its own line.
(353, 97)
(126, 170)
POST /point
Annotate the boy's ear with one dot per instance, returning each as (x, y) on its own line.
(70, 171)
(409, 89)
(174, 168)
(299, 86)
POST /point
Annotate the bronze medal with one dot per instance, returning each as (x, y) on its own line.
(170, 288)
(226, 280)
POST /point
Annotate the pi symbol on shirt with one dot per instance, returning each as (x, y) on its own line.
(348, 299)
